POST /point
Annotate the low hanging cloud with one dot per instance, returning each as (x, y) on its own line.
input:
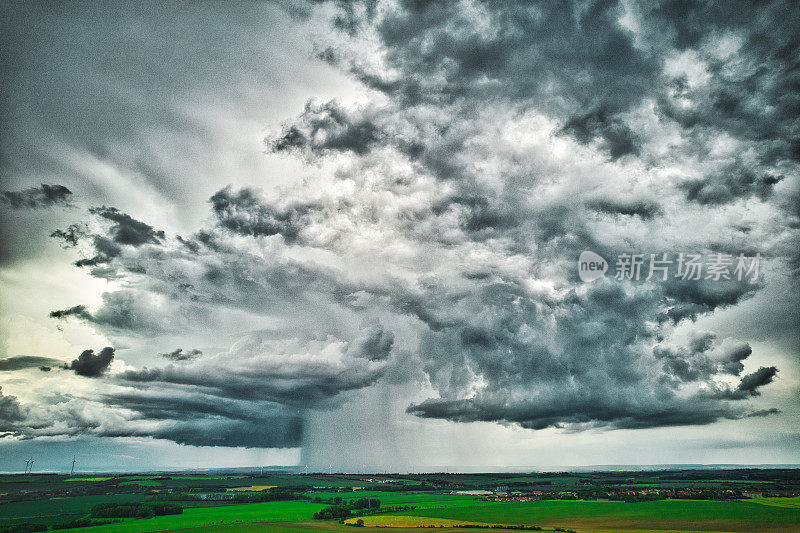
(37, 197)
(92, 364)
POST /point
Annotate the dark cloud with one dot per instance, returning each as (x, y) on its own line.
(126, 229)
(71, 235)
(181, 355)
(375, 343)
(329, 126)
(702, 360)
(730, 184)
(585, 412)
(11, 412)
(204, 420)
(92, 365)
(36, 197)
(288, 372)
(747, 96)
(105, 250)
(79, 311)
(27, 361)
(644, 209)
(186, 418)
(751, 382)
(615, 135)
(747, 388)
(245, 212)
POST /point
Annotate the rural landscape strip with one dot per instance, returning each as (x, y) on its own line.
(674, 500)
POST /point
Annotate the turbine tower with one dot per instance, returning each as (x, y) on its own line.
(32, 461)
(27, 462)
(73, 466)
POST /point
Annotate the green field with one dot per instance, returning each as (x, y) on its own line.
(680, 515)
(254, 512)
(43, 511)
(778, 514)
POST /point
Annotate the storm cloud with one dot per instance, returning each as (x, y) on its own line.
(430, 237)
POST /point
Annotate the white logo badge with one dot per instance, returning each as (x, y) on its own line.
(591, 266)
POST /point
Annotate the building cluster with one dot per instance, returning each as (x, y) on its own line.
(627, 494)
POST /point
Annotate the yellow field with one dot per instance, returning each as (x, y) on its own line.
(252, 488)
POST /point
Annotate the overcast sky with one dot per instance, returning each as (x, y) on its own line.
(347, 234)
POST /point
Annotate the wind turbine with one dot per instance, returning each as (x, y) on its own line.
(32, 461)
(27, 462)
(73, 466)
(306, 469)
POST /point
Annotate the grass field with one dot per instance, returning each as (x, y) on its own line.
(207, 516)
(682, 515)
(791, 503)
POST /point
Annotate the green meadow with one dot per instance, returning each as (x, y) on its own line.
(207, 516)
